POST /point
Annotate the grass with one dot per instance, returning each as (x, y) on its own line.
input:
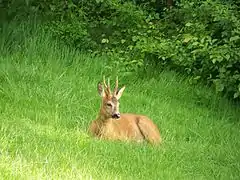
(48, 98)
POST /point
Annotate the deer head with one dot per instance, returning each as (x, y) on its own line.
(110, 101)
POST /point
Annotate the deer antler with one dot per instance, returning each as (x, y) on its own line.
(108, 83)
(104, 82)
(106, 87)
(116, 86)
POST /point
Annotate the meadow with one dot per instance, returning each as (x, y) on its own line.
(48, 97)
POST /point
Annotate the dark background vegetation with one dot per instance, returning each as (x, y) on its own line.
(199, 38)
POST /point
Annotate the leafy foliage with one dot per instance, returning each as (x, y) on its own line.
(203, 39)
(197, 37)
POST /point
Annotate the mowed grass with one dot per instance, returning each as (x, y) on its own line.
(48, 97)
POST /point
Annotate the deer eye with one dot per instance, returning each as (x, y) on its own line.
(109, 104)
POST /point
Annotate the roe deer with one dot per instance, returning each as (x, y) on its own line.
(112, 125)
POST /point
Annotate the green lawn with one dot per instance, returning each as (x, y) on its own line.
(48, 98)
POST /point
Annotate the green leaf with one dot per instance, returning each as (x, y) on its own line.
(123, 41)
(234, 38)
(236, 94)
(188, 24)
(130, 47)
(105, 41)
(195, 43)
(197, 77)
(219, 85)
(227, 56)
(187, 38)
(134, 38)
(214, 60)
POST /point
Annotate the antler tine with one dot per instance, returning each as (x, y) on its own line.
(108, 82)
(104, 82)
(116, 86)
(108, 87)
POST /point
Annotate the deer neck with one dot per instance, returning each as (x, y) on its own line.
(102, 116)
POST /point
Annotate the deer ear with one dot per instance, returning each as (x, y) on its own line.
(119, 93)
(100, 90)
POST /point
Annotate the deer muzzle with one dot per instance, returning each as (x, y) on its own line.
(116, 115)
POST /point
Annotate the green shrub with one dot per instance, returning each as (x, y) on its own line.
(197, 37)
(201, 38)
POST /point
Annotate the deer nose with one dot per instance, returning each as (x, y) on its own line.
(116, 116)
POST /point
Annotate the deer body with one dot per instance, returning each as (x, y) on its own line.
(128, 127)
(113, 126)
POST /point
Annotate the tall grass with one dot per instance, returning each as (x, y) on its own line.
(48, 98)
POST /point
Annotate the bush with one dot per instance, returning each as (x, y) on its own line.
(109, 27)
(197, 37)
(202, 39)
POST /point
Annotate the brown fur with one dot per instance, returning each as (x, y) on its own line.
(131, 127)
